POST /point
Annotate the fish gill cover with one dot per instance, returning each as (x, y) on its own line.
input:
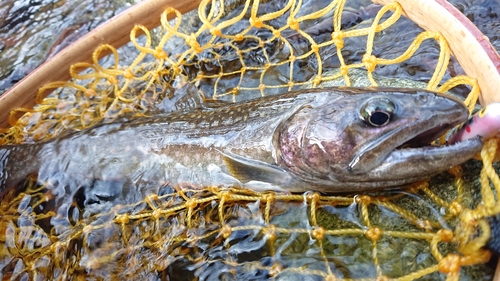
(433, 229)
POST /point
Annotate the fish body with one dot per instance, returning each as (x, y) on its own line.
(328, 140)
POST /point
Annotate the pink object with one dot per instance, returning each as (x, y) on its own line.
(485, 124)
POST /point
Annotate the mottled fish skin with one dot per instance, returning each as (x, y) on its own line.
(309, 140)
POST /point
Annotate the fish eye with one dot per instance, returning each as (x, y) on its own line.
(377, 112)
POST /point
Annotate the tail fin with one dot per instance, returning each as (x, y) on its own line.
(17, 162)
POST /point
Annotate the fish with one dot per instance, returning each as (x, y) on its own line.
(330, 140)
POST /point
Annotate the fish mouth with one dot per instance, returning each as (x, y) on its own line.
(418, 157)
(425, 161)
(426, 138)
(416, 135)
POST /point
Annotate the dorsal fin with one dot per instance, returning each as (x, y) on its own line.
(210, 103)
(185, 99)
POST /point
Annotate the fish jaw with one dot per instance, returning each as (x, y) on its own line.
(425, 161)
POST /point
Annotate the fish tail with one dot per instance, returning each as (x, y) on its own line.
(4, 161)
(16, 164)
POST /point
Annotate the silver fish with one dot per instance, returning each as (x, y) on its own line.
(329, 140)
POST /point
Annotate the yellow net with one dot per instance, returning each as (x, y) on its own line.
(433, 229)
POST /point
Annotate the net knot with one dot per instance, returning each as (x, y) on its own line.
(338, 39)
(156, 214)
(449, 264)
(224, 195)
(317, 80)
(456, 208)
(363, 199)
(370, 61)
(175, 69)
(112, 80)
(318, 233)
(468, 217)
(270, 232)
(269, 197)
(313, 196)
(89, 93)
(193, 43)
(445, 235)
(238, 37)
(191, 203)
(314, 47)
(293, 23)
(225, 231)
(215, 31)
(127, 74)
(344, 70)
(160, 54)
(374, 233)
(255, 22)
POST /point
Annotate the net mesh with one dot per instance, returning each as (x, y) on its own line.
(433, 229)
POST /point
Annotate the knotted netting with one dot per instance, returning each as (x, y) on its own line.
(432, 229)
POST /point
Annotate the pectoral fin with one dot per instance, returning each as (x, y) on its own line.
(246, 170)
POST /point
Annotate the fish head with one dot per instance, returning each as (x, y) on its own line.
(372, 137)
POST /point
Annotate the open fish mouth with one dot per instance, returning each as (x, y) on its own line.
(427, 141)
(446, 148)
(418, 156)
(431, 158)
(426, 138)
(410, 164)
(417, 136)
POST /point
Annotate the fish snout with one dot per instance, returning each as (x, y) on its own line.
(452, 110)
